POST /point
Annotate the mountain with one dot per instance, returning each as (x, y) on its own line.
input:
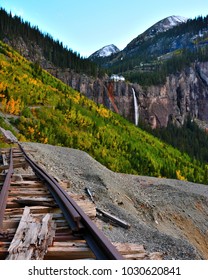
(167, 72)
(159, 27)
(172, 37)
(104, 52)
(48, 111)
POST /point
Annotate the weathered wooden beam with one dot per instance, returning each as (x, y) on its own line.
(139, 256)
(16, 165)
(36, 201)
(156, 256)
(28, 193)
(27, 184)
(113, 218)
(132, 251)
(33, 209)
(129, 248)
(69, 250)
(32, 238)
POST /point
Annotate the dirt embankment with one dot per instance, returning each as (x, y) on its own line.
(169, 216)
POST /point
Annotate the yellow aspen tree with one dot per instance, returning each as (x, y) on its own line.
(3, 104)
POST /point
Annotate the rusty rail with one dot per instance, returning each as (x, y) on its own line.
(5, 190)
(78, 221)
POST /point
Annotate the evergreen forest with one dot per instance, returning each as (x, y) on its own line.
(188, 138)
(13, 27)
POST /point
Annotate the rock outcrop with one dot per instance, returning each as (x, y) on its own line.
(183, 94)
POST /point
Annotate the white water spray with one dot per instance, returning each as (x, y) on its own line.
(136, 108)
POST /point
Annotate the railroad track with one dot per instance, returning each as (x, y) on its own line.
(40, 220)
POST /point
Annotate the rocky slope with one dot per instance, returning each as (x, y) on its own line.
(183, 94)
(168, 216)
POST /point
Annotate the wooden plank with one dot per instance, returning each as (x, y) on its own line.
(156, 256)
(10, 224)
(39, 201)
(69, 250)
(29, 193)
(33, 209)
(11, 204)
(2, 177)
(113, 218)
(16, 165)
(132, 251)
(127, 248)
(88, 207)
(4, 159)
(30, 184)
(32, 238)
(139, 256)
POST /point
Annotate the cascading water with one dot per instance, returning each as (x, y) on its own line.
(136, 108)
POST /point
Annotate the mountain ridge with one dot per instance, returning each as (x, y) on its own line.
(162, 44)
(159, 27)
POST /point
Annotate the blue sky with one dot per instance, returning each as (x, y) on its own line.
(87, 25)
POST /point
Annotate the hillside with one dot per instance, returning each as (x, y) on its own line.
(48, 111)
(40, 47)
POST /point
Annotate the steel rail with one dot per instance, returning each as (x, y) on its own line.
(5, 190)
(71, 215)
(96, 240)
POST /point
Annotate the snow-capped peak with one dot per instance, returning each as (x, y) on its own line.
(165, 24)
(173, 21)
(177, 19)
(105, 51)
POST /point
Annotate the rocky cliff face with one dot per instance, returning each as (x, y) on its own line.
(183, 94)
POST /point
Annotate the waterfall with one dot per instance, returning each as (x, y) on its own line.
(136, 108)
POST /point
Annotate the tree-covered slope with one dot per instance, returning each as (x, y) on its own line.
(19, 33)
(48, 111)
